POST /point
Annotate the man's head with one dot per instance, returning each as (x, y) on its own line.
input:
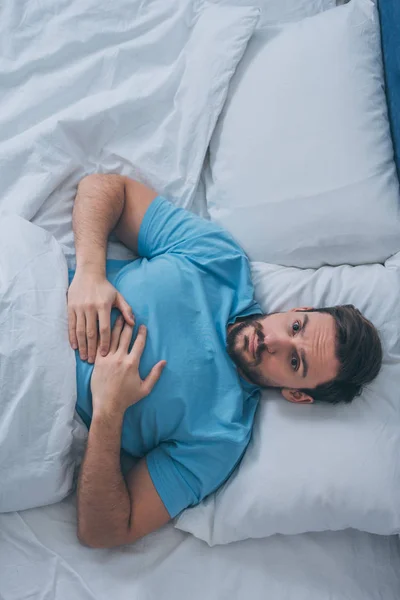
(312, 355)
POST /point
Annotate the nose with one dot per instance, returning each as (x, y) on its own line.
(277, 343)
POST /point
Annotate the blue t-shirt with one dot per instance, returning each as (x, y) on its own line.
(191, 281)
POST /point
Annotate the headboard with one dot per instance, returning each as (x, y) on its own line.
(390, 32)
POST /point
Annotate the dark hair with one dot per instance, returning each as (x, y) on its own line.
(359, 351)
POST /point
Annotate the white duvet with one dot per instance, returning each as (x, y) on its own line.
(132, 87)
(37, 369)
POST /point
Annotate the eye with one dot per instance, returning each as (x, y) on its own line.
(294, 363)
(296, 326)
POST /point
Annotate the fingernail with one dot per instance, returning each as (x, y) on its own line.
(104, 352)
(74, 347)
(91, 359)
(83, 357)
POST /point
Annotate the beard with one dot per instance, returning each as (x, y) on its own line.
(237, 351)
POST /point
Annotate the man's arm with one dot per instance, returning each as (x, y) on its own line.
(111, 512)
(102, 203)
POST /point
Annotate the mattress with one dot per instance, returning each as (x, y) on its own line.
(40, 558)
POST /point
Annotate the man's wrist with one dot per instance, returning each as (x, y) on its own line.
(107, 415)
(97, 269)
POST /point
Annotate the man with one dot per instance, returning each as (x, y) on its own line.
(182, 402)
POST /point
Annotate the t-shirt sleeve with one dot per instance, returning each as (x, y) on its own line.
(184, 475)
(171, 481)
(168, 229)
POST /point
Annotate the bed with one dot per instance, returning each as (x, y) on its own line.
(148, 89)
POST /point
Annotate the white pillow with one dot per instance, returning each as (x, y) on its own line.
(301, 163)
(37, 369)
(282, 11)
(314, 468)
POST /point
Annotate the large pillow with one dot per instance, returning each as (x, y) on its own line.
(314, 468)
(283, 11)
(301, 166)
(37, 370)
(134, 90)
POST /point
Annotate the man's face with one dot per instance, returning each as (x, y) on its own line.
(290, 350)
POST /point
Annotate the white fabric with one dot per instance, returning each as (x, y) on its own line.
(88, 88)
(314, 468)
(37, 367)
(136, 90)
(98, 121)
(301, 161)
(41, 559)
(283, 11)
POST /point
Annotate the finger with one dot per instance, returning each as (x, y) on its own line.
(81, 334)
(126, 338)
(73, 340)
(105, 331)
(91, 334)
(153, 377)
(140, 342)
(116, 334)
(125, 309)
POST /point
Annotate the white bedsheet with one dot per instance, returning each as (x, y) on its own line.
(41, 559)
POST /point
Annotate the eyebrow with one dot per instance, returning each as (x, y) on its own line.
(302, 353)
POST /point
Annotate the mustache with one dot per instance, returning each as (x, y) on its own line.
(261, 346)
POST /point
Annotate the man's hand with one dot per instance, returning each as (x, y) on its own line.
(113, 511)
(116, 383)
(90, 300)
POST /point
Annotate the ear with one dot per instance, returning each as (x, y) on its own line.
(301, 309)
(296, 396)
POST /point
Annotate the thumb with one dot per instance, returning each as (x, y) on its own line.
(125, 309)
(153, 377)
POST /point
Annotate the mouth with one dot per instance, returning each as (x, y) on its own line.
(253, 343)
